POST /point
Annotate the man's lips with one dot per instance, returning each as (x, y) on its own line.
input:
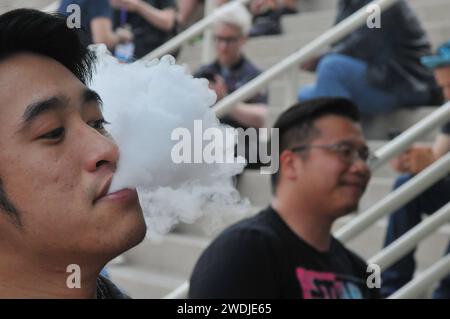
(103, 190)
(359, 184)
(122, 195)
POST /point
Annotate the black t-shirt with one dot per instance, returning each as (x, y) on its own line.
(260, 257)
(107, 290)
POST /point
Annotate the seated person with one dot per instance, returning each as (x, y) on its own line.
(287, 250)
(267, 14)
(56, 165)
(232, 69)
(410, 163)
(152, 22)
(377, 68)
(97, 24)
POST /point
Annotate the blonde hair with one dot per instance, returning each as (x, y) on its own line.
(235, 14)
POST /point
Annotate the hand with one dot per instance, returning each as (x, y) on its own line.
(401, 163)
(311, 64)
(420, 158)
(414, 160)
(220, 87)
(124, 35)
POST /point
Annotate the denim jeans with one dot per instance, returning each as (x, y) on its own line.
(343, 76)
(402, 221)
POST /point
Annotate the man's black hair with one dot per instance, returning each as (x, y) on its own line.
(296, 125)
(32, 31)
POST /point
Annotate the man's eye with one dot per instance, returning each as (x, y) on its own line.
(53, 135)
(345, 150)
(99, 124)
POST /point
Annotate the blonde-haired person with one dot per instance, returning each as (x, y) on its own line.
(232, 69)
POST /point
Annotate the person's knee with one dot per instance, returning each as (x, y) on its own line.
(331, 63)
(306, 93)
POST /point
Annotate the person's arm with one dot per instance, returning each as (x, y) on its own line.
(163, 19)
(247, 114)
(101, 30)
(186, 9)
(250, 114)
(441, 145)
(418, 157)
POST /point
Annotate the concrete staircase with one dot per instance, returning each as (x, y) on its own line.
(153, 269)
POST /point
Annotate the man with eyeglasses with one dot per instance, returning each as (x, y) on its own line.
(287, 250)
(232, 69)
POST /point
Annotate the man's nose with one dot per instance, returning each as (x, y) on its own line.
(360, 167)
(100, 150)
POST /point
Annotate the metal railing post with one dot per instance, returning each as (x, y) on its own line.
(433, 274)
(408, 241)
(404, 140)
(207, 44)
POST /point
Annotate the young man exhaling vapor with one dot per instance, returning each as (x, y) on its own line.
(56, 165)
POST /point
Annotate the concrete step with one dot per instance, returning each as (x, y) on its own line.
(139, 282)
(378, 127)
(316, 5)
(172, 253)
(428, 12)
(267, 51)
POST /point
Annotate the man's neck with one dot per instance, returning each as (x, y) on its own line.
(306, 223)
(232, 65)
(26, 279)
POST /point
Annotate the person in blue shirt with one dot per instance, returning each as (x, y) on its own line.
(152, 22)
(96, 22)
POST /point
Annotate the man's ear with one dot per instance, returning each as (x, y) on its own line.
(288, 165)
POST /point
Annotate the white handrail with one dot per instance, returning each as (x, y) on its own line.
(192, 31)
(403, 141)
(207, 43)
(178, 293)
(433, 274)
(399, 248)
(328, 38)
(395, 199)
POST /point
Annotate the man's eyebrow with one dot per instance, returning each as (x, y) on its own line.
(92, 96)
(35, 109)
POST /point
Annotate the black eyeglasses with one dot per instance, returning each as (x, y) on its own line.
(347, 151)
(226, 40)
